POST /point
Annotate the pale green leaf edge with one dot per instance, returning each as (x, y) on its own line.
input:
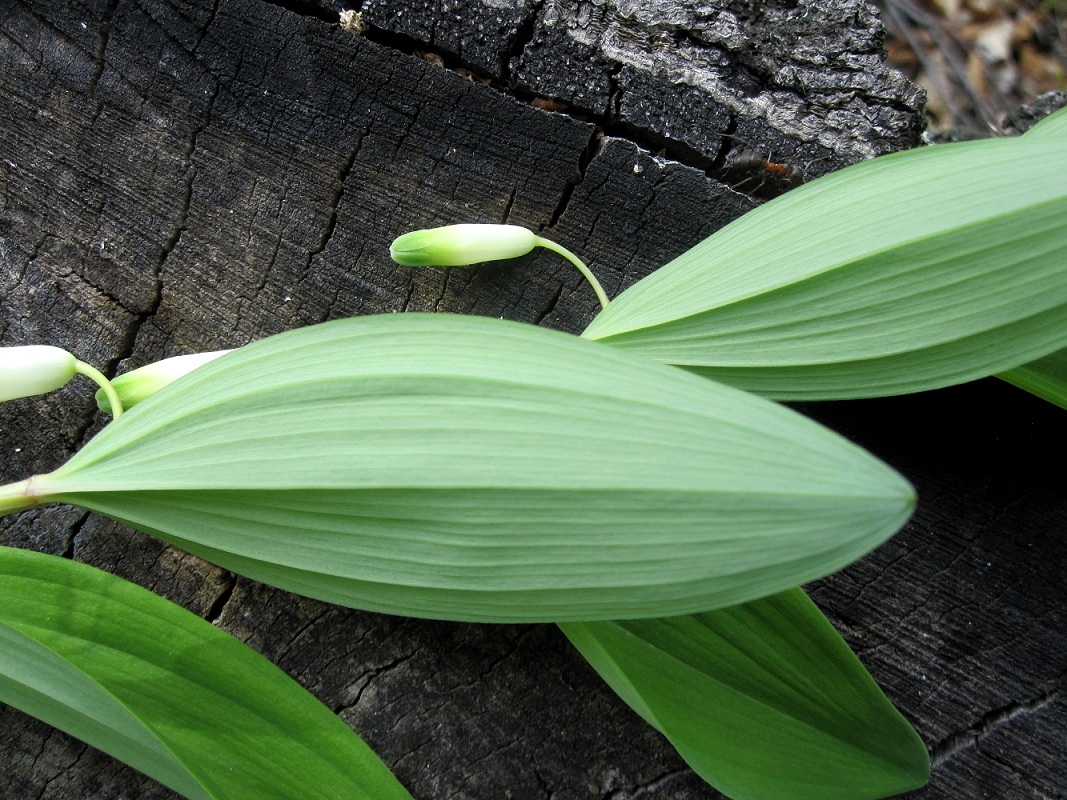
(168, 693)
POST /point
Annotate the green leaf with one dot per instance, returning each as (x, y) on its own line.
(1046, 377)
(168, 693)
(763, 700)
(470, 468)
(908, 272)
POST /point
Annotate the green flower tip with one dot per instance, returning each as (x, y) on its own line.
(461, 245)
(34, 369)
(138, 384)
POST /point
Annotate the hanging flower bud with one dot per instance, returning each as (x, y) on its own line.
(34, 369)
(138, 384)
(460, 245)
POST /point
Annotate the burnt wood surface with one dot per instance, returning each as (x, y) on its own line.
(177, 177)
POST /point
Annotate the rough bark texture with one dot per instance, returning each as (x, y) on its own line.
(186, 176)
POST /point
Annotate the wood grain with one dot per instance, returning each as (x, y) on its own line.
(183, 176)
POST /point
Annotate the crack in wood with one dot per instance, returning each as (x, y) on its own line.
(592, 150)
(445, 275)
(410, 292)
(509, 652)
(72, 534)
(334, 201)
(79, 749)
(614, 123)
(218, 605)
(507, 208)
(107, 23)
(369, 677)
(553, 303)
(308, 624)
(181, 222)
(615, 93)
(272, 259)
(524, 34)
(970, 738)
(607, 119)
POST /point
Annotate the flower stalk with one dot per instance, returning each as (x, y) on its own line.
(105, 385)
(548, 244)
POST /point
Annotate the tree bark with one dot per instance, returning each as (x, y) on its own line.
(178, 177)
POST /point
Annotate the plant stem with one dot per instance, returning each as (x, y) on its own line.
(567, 254)
(16, 497)
(97, 376)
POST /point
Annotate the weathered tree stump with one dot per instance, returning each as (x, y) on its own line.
(188, 176)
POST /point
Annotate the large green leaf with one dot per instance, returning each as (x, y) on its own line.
(764, 700)
(907, 272)
(168, 693)
(470, 468)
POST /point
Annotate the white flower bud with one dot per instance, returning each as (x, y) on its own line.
(460, 245)
(138, 384)
(34, 369)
